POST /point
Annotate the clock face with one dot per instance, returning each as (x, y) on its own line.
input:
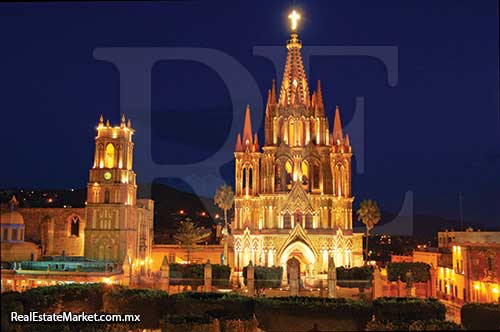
(107, 176)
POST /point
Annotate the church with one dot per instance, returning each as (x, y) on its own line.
(293, 197)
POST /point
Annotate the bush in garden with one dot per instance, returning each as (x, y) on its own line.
(419, 325)
(434, 325)
(338, 307)
(220, 275)
(401, 309)
(78, 297)
(149, 303)
(265, 276)
(481, 316)
(211, 303)
(187, 274)
(354, 277)
(419, 271)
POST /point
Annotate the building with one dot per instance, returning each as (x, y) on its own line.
(110, 240)
(13, 246)
(465, 266)
(293, 197)
(119, 226)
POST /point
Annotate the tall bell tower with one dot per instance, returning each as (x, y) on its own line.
(118, 226)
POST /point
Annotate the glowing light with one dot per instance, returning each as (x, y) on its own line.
(107, 281)
(217, 216)
(294, 18)
(50, 200)
(181, 212)
(476, 287)
(495, 290)
(203, 214)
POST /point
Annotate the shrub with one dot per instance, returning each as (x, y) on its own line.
(194, 274)
(434, 325)
(401, 309)
(220, 275)
(76, 297)
(355, 277)
(187, 274)
(149, 303)
(215, 304)
(339, 307)
(266, 277)
(420, 271)
(481, 316)
(419, 325)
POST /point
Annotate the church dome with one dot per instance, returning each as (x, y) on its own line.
(11, 217)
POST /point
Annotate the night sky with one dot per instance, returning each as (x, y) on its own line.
(435, 133)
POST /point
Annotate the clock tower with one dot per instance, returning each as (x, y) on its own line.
(118, 225)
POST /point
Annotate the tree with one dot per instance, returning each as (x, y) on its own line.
(224, 198)
(369, 214)
(188, 234)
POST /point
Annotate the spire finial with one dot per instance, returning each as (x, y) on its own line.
(13, 203)
(337, 126)
(101, 120)
(247, 128)
(294, 18)
(107, 123)
(238, 147)
(319, 95)
(129, 124)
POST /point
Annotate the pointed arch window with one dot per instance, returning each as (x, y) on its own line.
(244, 179)
(315, 176)
(287, 221)
(288, 174)
(250, 179)
(74, 226)
(106, 196)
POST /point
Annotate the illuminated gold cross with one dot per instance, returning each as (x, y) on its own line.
(294, 17)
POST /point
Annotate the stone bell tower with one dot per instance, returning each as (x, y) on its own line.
(117, 226)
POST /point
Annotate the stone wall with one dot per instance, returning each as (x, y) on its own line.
(51, 228)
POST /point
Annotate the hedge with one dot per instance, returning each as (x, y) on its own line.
(354, 277)
(149, 303)
(265, 277)
(405, 310)
(419, 325)
(420, 271)
(481, 316)
(194, 274)
(336, 307)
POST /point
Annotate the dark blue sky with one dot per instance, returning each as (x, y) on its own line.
(435, 133)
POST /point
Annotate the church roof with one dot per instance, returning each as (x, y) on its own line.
(294, 87)
(11, 218)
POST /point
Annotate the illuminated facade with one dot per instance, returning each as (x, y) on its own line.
(470, 271)
(294, 198)
(119, 226)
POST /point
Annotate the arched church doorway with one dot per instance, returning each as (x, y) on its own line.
(297, 253)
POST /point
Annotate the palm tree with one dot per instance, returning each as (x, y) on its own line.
(369, 214)
(188, 234)
(224, 198)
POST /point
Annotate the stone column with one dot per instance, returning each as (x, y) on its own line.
(432, 283)
(208, 277)
(250, 279)
(401, 288)
(332, 278)
(378, 286)
(165, 274)
(127, 273)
